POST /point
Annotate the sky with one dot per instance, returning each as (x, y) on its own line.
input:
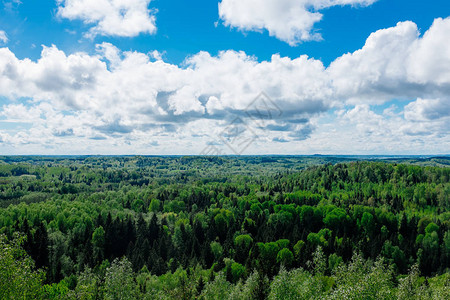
(166, 77)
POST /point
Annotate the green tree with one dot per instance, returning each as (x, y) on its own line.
(285, 257)
(219, 289)
(334, 261)
(155, 205)
(361, 279)
(18, 279)
(243, 244)
(367, 223)
(216, 250)
(295, 284)
(237, 271)
(138, 205)
(268, 256)
(88, 286)
(98, 243)
(298, 249)
(119, 281)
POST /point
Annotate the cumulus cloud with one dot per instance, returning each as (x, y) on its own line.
(111, 17)
(137, 101)
(378, 69)
(396, 63)
(3, 37)
(117, 92)
(428, 109)
(291, 21)
(429, 58)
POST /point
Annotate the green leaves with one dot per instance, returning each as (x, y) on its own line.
(285, 257)
(319, 239)
(98, 243)
(18, 278)
(176, 216)
(119, 281)
(335, 219)
(216, 250)
(243, 244)
(298, 248)
(155, 205)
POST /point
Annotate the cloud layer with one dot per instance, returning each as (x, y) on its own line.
(291, 21)
(110, 17)
(136, 102)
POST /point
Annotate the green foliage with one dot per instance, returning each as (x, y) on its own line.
(319, 262)
(413, 286)
(367, 223)
(243, 241)
(255, 287)
(18, 279)
(431, 228)
(216, 250)
(98, 243)
(219, 289)
(285, 257)
(320, 238)
(167, 225)
(155, 205)
(243, 245)
(56, 290)
(295, 284)
(138, 205)
(267, 256)
(237, 271)
(119, 281)
(362, 279)
(283, 243)
(395, 256)
(88, 285)
(334, 261)
(335, 219)
(298, 248)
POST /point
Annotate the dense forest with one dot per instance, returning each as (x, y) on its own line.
(263, 227)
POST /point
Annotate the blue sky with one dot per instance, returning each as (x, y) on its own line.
(187, 27)
(169, 77)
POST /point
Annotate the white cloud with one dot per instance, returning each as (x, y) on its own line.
(119, 95)
(122, 102)
(374, 133)
(55, 77)
(429, 59)
(111, 17)
(3, 37)
(291, 21)
(396, 63)
(377, 70)
(428, 109)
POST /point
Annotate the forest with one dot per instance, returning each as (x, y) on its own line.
(224, 227)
